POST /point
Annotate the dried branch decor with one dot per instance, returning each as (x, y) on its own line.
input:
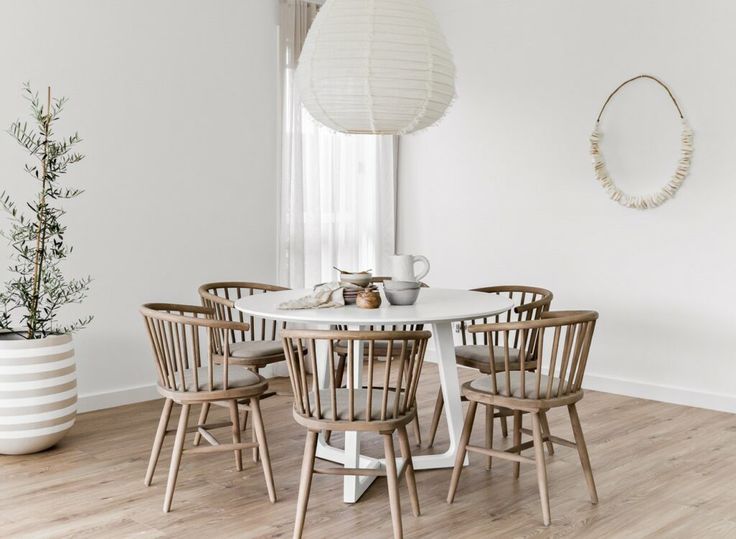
(668, 191)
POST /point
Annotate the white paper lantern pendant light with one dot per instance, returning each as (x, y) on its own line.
(376, 67)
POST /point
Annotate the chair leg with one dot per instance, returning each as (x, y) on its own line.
(517, 439)
(504, 427)
(417, 430)
(411, 482)
(305, 482)
(244, 421)
(393, 485)
(541, 466)
(339, 371)
(243, 427)
(235, 420)
(260, 432)
(158, 441)
(181, 433)
(438, 405)
(204, 412)
(489, 434)
(254, 438)
(461, 450)
(546, 433)
(577, 430)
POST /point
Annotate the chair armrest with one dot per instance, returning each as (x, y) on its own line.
(532, 305)
(228, 325)
(213, 298)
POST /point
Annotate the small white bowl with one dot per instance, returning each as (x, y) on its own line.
(407, 296)
(400, 285)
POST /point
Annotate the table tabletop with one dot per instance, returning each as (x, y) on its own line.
(433, 305)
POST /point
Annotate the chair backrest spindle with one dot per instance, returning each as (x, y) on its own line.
(531, 302)
(554, 370)
(174, 332)
(221, 297)
(383, 397)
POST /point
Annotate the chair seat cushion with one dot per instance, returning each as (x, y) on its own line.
(238, 377)
(484, 384)
(476, 356)
(256, 349)
(342, 404)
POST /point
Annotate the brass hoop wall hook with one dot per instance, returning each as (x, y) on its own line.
(632, 79)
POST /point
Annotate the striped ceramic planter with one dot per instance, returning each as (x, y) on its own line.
(38, 392)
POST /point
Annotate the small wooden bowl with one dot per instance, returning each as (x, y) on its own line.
(368, 300)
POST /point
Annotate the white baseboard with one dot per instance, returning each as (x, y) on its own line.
(672, 394)
(109, 399)
(90, 402)
(606, 384)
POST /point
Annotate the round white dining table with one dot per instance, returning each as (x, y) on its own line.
(437, 307)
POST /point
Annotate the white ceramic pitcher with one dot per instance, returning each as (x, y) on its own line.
(402, 267)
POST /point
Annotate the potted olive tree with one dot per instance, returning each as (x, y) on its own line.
(37, 368)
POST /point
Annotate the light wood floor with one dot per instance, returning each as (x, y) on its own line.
(661, 470)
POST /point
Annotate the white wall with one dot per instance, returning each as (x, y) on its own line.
(502, 191)
(176, 103)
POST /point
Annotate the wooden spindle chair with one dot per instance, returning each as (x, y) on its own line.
(180, 336)
(253, 348)
(381, 347)
(385, 403)
(562, 343)
(530, 303)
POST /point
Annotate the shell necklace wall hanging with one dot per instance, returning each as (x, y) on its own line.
(642, 202)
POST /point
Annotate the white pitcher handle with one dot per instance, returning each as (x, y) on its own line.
(420, 258)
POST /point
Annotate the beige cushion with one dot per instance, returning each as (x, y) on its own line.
(478, 357)
(238, 377)
(484, 384)
(342, 401)
(256, 349)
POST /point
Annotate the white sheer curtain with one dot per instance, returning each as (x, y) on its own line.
(337, 191)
